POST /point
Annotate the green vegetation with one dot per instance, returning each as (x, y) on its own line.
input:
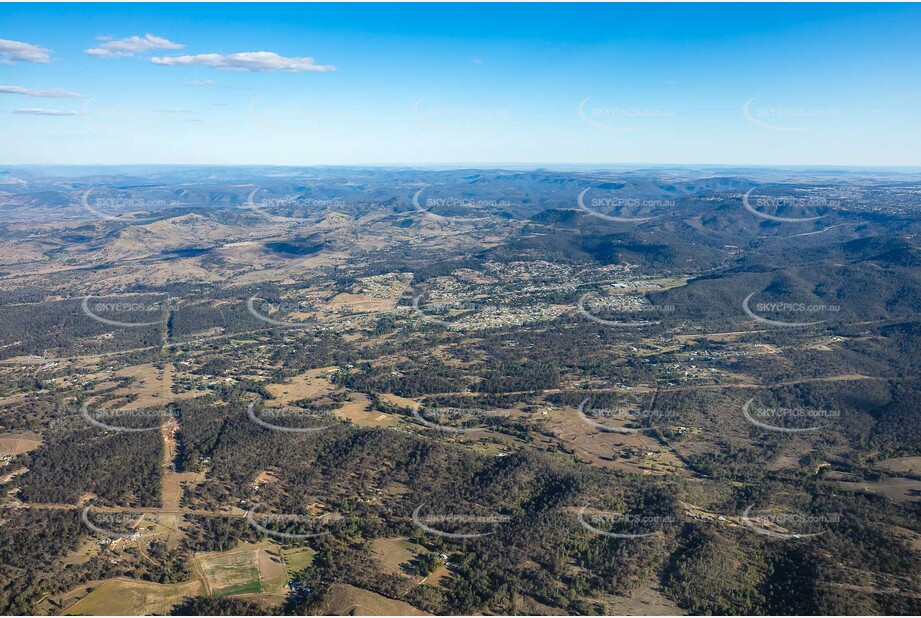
(540, 507)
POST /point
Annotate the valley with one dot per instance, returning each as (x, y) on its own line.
(303, 392)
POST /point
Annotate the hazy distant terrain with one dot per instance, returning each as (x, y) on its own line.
(453, 391)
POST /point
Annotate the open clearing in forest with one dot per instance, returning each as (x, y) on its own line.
(232, 572)
(396, 554)
(272, 570)
(356, 411)
(901, 465)
(635, 452)
(17, 443)
(257, 571)
(358, 303)
(307, 385)
(127, 597)
(297, 559)
(346, 600)
(896, 489)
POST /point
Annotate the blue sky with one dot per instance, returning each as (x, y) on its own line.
(753, 84)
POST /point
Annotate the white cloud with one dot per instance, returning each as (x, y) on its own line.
(246, 61)
(38, 111)
(32, 92)
(207, 82)
(17, 51)
(126, 48)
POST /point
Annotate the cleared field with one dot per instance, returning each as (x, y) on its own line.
(19, 443)
(438, 576)
(231, 573)
(147, 384)
(163, 526)
(912, 538)
(346, 600)
(604, 449)
(357, 303)
(901, 465)
(644, 601)
(152, 387)
(396, 400)
(896, 489)
(128, 597)
(257, 571)
(396, 554)
(297, 559)
(310, 384)
(172, 486)
(84, 553)
(529, 606)
(356, 412)
(272, 570)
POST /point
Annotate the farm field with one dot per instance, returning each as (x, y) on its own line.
(397, 554)
(19, 443)
(297, 559)
(304, 386)
(347, 600)
(130, 597)
(234, 572)
(901, 465)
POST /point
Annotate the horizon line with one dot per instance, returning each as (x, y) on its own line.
(485, 164)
